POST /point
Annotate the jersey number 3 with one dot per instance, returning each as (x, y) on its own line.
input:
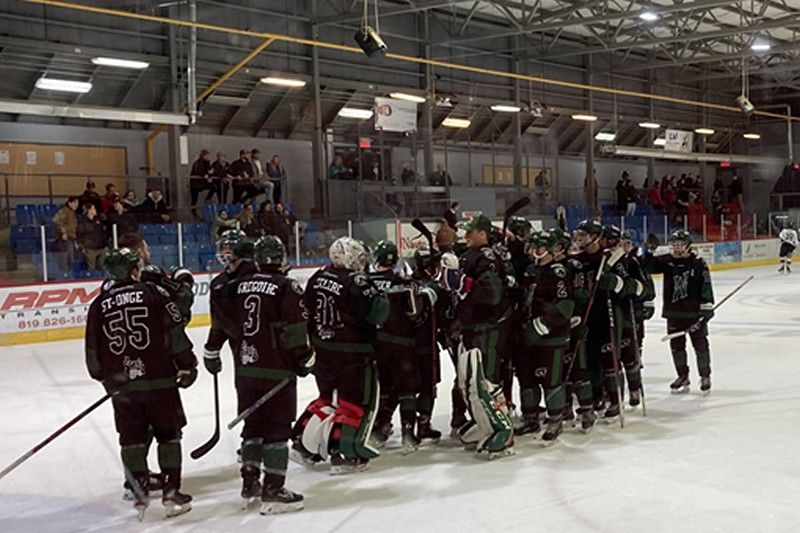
(127, 327)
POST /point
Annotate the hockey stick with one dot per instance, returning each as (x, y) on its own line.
(612, 329)
(57, 432)
(697, 325)
(205, 448)
(512, 209)
(258, 403)
(419, 225)
(638, 357)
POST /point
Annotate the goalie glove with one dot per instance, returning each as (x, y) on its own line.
(212, 361)
(540, 327)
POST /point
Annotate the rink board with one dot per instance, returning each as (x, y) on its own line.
(57, 311)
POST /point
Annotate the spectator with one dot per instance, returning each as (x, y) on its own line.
(408, 176)
(737, 192)
(654, 197)
(260, 183)
(129, 199)
(718, 184)
(122, 218)
(451, 216)
(277, 175)
(90, 196)
(265, 219)
(631, 197)
(241, 171)
(108, 199)
(440, 177)
(284, 223)
(221, 177)
(668, 195)
(200, 179)
(561, 216)
(682, 201)
(621, 192)
(374, 173)
(717, 204)
(91, 238)
(591, 193)
(221, 224)
(337, 170)
(247, 222)
(445, 236)
(65, 223)
(153, 209)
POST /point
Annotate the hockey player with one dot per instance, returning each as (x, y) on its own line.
(396, 347)
(688, 304)
(262, 315)
(344, 310)
(136, 346)
(481, 309)
(548, 309)
(519, 231)
(788, 237)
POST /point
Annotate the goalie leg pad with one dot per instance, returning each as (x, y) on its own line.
(316, 426)
(355, 422)
(493, 429)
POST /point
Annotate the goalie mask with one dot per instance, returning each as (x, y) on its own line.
(346, 252)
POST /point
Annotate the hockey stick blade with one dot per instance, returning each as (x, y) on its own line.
(700, 322)
(513, 208)
(261, 401)
(205, 448)
(420, 226)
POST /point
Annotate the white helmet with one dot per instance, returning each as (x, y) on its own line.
(346, 252)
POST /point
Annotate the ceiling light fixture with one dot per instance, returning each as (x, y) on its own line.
(352, 112)
(759, 45)
(120, 63)
(605, 136)
(505, 108)
(752, 136)
(283, 82)
(67, 86)
(649, 16)
(456, 122)
(407, 97)
(649, 125)
(661, 141)
(584, 118)
(704, 131)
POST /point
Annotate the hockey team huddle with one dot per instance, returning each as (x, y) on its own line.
(562, 312)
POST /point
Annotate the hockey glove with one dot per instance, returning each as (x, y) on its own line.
(212, 361)
(153, 274)
(649, 310)
(307, 366)
(182, 275)
(706, 311)
(540, 327)
(611, 282)
(186, 378)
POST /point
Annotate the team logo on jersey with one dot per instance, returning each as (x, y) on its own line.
(134, 368)
(248, 354)
(296, 287)
(559, 271)
(541, 372)
(680, 286)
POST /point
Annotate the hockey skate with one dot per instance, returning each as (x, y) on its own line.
(282, 500)
(635, 398)
(529, 425)
(705, 385)
(551, 432)
(782, 269)
(176, 502)
(410, 441)
(587, 420)
(301, 456)
(342, 466)
(599, 404)
(251, 486)
(380, 434)
(499, 454)
(569, 417)
(612, 413)
(155, 484)
(425, 431)
(680, 385)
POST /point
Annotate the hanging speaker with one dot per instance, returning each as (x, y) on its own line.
(370, 42)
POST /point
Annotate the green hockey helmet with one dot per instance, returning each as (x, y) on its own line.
(680, 241)
(121, 262)
(611, 234)
(561, 237)
(232, 246)
(586, 232)
(269, 251)
(540, 244)
(385, 254)
(520, 227)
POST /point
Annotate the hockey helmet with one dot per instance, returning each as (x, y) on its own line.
(349, 253)
(232, 246)
(520, 227)
(680, 241)
(630, 235)
(385, 254)
(269, 251)
(611, 234)
(120, 263)
(586, 232)
(541, 243)
(561, 237)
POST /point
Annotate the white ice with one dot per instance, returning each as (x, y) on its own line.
(726, 462)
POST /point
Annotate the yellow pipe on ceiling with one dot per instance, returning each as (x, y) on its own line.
(400, 57)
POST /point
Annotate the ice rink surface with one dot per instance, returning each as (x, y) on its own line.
(726, 462)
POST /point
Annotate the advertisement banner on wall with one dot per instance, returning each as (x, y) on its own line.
(705, 251)
(679, 141)
(395, 115)
(62, 306)
(727, 252)
(759, 249)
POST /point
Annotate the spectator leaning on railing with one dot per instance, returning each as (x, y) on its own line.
(91, 237)
(260, 183)
(200, 179)
(337, 170)
(277, 176)
(221, 177)
(122, 218)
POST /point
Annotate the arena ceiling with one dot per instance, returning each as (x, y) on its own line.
(691, 50)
